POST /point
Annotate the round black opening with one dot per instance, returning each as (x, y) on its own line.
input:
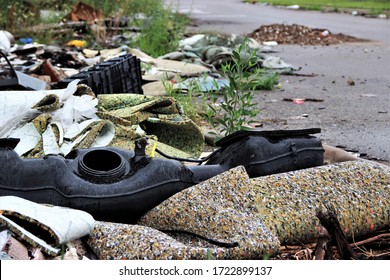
(102, 160)
(103, 165)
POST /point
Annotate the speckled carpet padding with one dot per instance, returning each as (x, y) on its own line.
(255, 216)
(359, 191)
(112, 241)
(219, 209)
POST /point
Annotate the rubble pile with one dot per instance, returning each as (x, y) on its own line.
(299, 34)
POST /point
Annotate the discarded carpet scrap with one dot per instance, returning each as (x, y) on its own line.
(44, 226)
(215, 219)
(220, 209)
(159, 116)
(359, 190)
(58, 121)
(113, 241)
(230, 208)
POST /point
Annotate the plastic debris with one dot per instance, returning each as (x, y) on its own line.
(325, 33)
(6, 40)
(77, 43)
(293, 7)
(270, 43)
(202, 84)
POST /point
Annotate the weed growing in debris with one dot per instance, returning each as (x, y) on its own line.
(162, 32)
(236, 110)
(191, 102)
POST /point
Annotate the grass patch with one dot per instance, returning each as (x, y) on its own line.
(373, 7)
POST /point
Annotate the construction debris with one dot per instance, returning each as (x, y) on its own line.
(299, 34)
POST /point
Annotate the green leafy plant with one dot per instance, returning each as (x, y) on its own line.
(191, 102)
(232, 108)
(162, 31)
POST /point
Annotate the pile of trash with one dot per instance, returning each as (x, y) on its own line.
(91, 136)
(229, 216)
(92, 98)
(299, 34)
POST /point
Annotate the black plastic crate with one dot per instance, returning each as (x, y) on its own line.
(117, 75)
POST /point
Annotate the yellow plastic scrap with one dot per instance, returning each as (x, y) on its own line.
(77, 43)
(153, 149)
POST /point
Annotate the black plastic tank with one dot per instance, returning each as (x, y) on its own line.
(118, 185)
(101, 181)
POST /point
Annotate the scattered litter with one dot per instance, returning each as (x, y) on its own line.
(202, 84)
(77, 43)
(117, 75)
(227, 201)
(293, 7)
(301, 117)
(276, 63)
(270, 43)
(214, 50)
(14, 80)
(368, 95)
(350, 82)
(292, 198)
(53, 106)
(84, 12)
(6, 40)
(325, 33)
(298, 101)
(302, 100)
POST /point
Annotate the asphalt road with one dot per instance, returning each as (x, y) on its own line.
(355, 117)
